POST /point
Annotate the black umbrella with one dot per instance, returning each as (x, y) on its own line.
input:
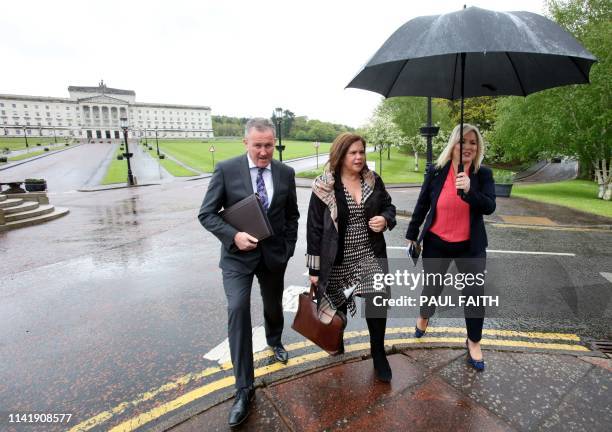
(475, 52)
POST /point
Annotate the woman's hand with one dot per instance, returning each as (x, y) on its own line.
(377, 223)
(314, 280)
(411, 242)
(463, 182)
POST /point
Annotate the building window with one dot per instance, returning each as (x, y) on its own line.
(14, 106)
(25, 106)
(46, 106)
(67, 108)
(1, 104)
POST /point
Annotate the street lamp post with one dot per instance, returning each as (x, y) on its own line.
(146, 141)
(429, 132)
(157, 143)
(278, 113)
(316, 146)
(25, 135)
(54, 136)
(127, 154)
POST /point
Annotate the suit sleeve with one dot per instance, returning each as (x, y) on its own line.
(209, 211)
(314, 234)
(387, 208)
(483, 200)
(292, 215)
(421, 208)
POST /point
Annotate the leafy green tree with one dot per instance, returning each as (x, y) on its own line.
(572, 120)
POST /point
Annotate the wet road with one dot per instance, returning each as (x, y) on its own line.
(68, 170)
(124, 295)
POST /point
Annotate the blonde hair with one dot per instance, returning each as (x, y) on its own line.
(446, 154)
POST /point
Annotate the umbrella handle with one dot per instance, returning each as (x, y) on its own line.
(460, 192)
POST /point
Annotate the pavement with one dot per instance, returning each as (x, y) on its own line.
(432, 389)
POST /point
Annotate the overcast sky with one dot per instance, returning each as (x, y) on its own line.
(241, 58)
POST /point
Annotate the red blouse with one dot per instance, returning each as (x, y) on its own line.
(452, 220)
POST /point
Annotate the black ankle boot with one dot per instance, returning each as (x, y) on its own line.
(377, 327)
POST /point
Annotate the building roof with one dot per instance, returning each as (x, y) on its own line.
(36, 98)
(101, 88)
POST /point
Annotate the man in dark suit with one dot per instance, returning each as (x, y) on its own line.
(243, 257)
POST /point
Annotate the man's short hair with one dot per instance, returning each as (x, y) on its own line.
(261, 124)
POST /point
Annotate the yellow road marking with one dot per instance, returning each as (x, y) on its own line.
(200, 392)
(491, 342)
(553, 228)
(185, 379)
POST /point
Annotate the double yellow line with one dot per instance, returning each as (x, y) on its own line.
(157, 412)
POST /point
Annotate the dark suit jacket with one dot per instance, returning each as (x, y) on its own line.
(230, 183)
(481, 199)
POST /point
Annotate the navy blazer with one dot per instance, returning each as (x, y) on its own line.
(481, 199)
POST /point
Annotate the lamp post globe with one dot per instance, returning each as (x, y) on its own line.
(278, 115)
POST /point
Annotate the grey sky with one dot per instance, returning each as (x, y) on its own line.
(241, 58)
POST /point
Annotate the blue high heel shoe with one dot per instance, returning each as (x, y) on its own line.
(479, 365)
(418, 333)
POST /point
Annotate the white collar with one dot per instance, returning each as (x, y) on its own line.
(252, 164)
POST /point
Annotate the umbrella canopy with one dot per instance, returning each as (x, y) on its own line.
(506, 53)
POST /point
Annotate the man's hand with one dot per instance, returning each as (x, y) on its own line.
(377, 223)
(463, 182)
(245, 241)
(314, 280)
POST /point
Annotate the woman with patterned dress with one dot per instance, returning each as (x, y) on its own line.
(349, 211)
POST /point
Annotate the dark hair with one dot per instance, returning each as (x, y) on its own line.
(339, 149)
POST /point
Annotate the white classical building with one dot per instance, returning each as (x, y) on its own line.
(93, 113)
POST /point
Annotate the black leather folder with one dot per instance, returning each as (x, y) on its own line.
(248, 215)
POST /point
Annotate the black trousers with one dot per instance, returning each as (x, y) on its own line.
(437, 257)
(237, 288)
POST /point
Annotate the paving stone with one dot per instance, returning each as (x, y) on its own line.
(263, 417)
(604, 363)
(434, 406)
(433, 358)
(521, 388)
(316, 401)
(588, 407)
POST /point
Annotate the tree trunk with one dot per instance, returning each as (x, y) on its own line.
(603, 174)
(599, 180)
(389, 152)
(416, 160)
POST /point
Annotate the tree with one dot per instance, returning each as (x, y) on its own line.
(572, 120)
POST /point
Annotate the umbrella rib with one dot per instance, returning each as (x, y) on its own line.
(396, 78)
(518, 78)
(454, 78)
(586, 78)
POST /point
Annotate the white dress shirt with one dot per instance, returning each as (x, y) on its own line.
(267, 177)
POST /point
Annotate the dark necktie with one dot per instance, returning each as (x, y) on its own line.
(261, 189)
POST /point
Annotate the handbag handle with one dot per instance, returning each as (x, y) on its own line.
(311, 292)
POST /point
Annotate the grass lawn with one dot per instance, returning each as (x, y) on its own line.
(172, 167)
(196, 154)
(400, 169)
(576, 194)
(117, 170)
(27, 155)
(16, 143)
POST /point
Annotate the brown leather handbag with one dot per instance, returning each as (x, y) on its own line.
(328, 337)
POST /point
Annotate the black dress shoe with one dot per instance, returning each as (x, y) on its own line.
(240, 409)
(280, 354)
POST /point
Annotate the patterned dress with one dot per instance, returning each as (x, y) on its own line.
(358, 263)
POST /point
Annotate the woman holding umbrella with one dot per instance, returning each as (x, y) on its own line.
(454, 228)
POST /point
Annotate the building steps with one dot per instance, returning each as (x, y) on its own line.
(26, 210)
(38, 211)
(10, 202)
(22, 223)
(24, 206)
